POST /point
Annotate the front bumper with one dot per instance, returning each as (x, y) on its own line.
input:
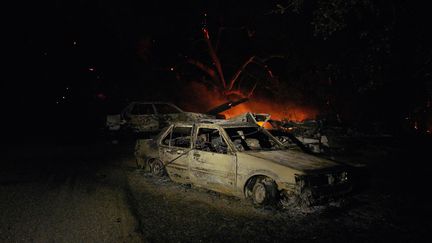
(327, 193)
(319, 189)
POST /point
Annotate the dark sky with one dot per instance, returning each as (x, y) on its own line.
(56, 42)
(67, 57)
(112, 48)
(73, 59)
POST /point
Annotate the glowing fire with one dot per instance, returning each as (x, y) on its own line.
(276, 110)
(203, 99)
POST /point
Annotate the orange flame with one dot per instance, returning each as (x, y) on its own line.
(278, 111)
(203, 99)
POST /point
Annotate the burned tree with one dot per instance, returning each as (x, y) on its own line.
(253, 70)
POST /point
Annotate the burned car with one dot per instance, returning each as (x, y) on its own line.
(241, 159)
(313, 136)
(285, 136)
(148, 117)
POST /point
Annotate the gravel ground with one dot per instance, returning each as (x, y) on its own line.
(80, 197)
(173, 212)
(391, 208)
(93, 193)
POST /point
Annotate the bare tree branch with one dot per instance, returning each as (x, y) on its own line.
(234, 92)
(214, 57)
(239, 71)
(252, 90)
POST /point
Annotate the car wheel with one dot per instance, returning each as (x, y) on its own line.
(157, 168)
(264, 192)
(140, 163)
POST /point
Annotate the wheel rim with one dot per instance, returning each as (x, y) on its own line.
(259, 193)
(157, 168)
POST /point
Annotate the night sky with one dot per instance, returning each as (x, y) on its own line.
(71, 62)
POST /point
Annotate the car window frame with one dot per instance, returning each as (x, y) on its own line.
(169, 104)
(169, 131)
(222, 133)
(280, 145)
(191, 136)
(131, 107)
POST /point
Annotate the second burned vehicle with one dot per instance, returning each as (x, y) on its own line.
(150, 117)
(241, 159)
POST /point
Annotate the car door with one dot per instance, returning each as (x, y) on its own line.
(142, 118)
(212, 161)
(174, 150)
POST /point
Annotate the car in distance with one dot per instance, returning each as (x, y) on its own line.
(146, 117)
(241, 159)
(150, 117)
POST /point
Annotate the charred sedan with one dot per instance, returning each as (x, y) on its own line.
(146, 117)
(241, 159)
(149, 117)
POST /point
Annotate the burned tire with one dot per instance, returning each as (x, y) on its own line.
(157, 168)
(264, 192)
(140, 163)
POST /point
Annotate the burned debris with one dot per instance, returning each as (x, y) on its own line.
(311, 135)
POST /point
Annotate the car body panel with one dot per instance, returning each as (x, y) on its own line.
(294, 159)
(213, 170)
(230, 171)
(179, 169)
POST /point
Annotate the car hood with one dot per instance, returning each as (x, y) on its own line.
(295, 159)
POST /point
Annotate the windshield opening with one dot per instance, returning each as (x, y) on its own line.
(251, 138)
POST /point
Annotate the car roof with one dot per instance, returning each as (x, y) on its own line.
(152, 102)
(156, 103)
(218, 122)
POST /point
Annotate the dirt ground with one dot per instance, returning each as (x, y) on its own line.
(66, 194)
(172, 212)
(390, 207)
(93, 193)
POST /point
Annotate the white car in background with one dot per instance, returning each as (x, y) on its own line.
(143, 117)
(149, 117)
